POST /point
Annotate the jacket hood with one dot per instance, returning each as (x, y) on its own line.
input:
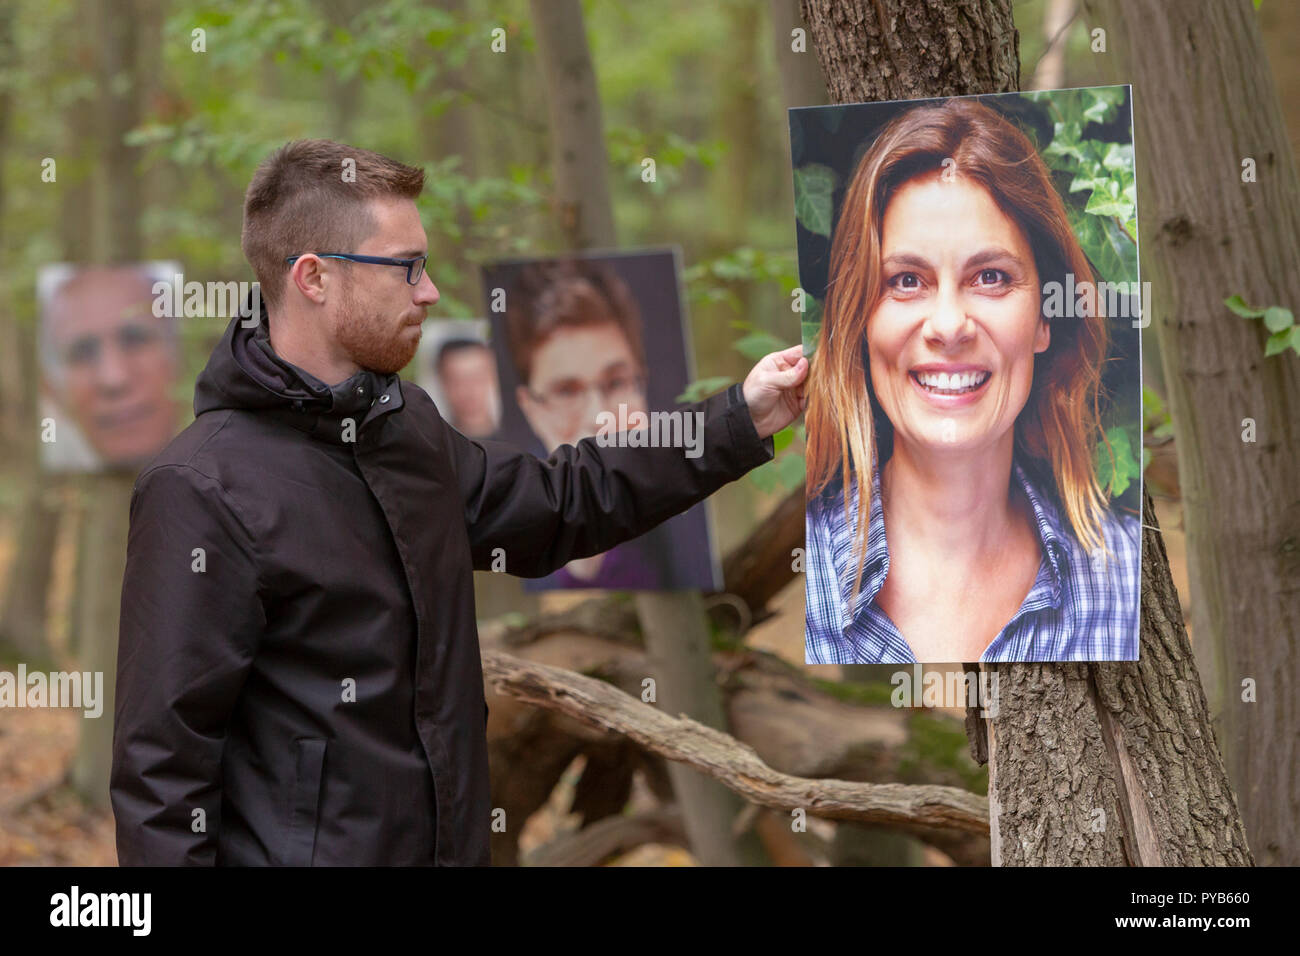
(245, 373)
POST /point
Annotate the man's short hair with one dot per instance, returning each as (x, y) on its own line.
(311, 195)
(452, 346)
(566, 293)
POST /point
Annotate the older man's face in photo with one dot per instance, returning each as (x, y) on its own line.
(115, 364)
(577, 373)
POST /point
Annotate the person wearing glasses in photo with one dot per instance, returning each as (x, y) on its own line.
(299, 679)
(574, 336)
(111, 364)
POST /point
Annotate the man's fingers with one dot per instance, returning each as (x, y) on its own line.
(794, 374)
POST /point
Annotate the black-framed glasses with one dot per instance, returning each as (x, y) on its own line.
(414, 267)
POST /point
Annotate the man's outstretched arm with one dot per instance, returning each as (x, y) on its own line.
(191, 619)
(586, 498)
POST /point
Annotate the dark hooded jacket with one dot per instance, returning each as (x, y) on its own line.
(298, 673)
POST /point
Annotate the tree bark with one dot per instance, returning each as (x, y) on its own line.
(896, 50)
(1207, 235)
(1088, 763)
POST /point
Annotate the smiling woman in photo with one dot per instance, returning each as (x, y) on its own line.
(942, 394)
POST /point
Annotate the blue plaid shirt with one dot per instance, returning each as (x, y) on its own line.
(1080, 608)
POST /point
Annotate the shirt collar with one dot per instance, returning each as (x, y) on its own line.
(1046, 590)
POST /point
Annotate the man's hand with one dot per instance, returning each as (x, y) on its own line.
(774, 390)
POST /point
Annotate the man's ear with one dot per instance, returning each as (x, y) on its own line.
(307, 277)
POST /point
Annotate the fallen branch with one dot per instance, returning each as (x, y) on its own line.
(597, 843)
(736, 765)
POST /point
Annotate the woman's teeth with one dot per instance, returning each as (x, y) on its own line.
(944, 384)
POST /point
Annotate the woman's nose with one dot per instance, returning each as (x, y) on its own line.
(948, 320)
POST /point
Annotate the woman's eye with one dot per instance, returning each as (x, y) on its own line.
(907, 281)
(992, 277)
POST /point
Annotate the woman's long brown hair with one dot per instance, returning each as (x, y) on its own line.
(1056, 430)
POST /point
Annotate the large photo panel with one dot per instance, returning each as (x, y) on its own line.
(973, 319)
(579, 336)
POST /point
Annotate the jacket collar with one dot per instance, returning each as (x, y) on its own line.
(1046, 590)
(245, 373)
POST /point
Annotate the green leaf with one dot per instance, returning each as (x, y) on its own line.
(1277, 318)
(790, 469)
(1115, 478)
(1106, 201)
(1281, 341)
(1118, 156)
(755, 345)
(765, 477)
(1237, 304)
(782, 439)
(808, 333)
(814, 185)
(702, 388)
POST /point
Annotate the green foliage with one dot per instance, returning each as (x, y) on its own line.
(1105, 223)
(1279, 321)
(716, 280)
(702, 388)
(786, 469)
(814, 185)
(1115, 473)
(937, 743)
(629, 146)
(1156, 421)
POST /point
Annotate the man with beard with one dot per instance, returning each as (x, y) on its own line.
(298, 669)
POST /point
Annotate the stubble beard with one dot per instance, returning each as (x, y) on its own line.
(372, 340)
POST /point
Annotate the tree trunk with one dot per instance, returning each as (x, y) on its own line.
(1088, 763)
(894, 50)
(578, 155)
(22, 626)
(101, 552)
(1209, 235)
(802, 83)
(673, 623)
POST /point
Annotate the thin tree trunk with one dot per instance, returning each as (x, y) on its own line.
(101, 554)
(22, 627)
(673, 623)
(1057, 17)
(802, 82)
(1088, 763)
(578, 155)
(1207, 235)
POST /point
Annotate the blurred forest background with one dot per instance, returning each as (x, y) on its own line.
(155, 141)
